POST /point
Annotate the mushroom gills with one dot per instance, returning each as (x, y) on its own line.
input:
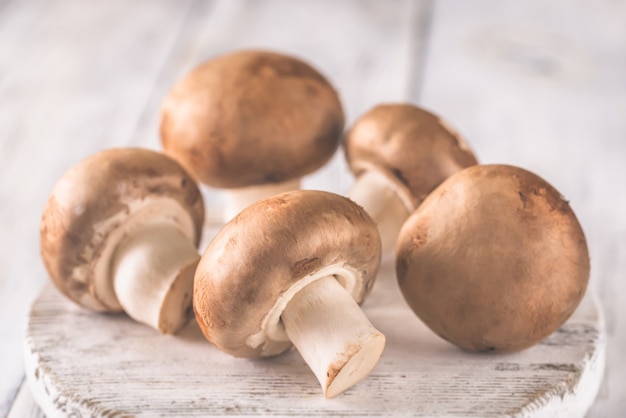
(332, 334)
(236, 200)
(153, 270)
(383, 202)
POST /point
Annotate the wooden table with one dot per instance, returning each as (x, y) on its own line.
(539, 84)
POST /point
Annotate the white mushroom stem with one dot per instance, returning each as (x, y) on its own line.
(332, 334)
(375, 193)
(153, 270)
(236, 200)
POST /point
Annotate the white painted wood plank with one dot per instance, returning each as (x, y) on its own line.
(542, 84)
(86, 364)
(74, 78)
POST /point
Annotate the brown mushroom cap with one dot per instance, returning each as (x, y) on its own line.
(251, 118)
(493, 259)
(93, 202)
(414, 148)
(271, 249)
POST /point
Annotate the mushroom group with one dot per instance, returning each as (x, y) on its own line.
(489, 257)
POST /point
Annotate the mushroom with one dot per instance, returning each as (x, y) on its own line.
(494, 259)
(399, 153)
(252, 123)
(120, 232)
(293, 269)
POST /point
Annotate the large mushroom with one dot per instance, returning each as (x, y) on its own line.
(120, 232)
(252, 123)
(292, 269)
(399, 153)
(493, 260)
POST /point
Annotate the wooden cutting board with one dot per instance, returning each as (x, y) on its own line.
(80, 363)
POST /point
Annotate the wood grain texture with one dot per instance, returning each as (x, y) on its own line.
(84, 364)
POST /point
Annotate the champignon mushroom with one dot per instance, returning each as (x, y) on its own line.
(494, 259)
(293, 268)
(120, 232)
(400, 153)
(252, 123)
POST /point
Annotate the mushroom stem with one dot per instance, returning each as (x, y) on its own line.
(153, 271)
(374, 192)
(238, 199)
(332, 334)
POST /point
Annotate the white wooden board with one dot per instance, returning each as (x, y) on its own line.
(80, 363)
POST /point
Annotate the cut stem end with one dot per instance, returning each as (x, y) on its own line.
(332, 334)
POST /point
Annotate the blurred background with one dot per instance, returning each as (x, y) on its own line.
(535, 83)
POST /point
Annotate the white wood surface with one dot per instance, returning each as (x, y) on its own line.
(541, 84)
(83, 364)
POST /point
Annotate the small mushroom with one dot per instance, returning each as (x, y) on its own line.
(252, 123)
(494, 259)
(120, 232)
(400, 153)
(293, 269)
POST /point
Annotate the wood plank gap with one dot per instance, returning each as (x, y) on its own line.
(4, 5)
(140, 135)
(9, 404)
(23, 405)
(420, 40)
